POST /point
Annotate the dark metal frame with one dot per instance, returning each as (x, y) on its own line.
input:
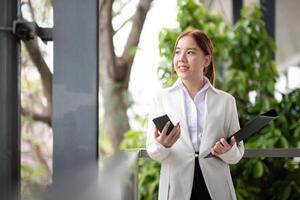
(268, 9)
(236, 9)
(250, 153)
(75, 98)
(9, 104)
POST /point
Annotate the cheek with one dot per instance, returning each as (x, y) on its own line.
(174, 63)
(196, 61)
(193, 61)
(175, 58)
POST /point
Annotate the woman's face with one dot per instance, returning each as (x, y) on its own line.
(189, 60)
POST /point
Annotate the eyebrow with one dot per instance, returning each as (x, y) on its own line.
(192, 48)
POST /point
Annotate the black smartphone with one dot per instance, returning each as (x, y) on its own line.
(161, 121)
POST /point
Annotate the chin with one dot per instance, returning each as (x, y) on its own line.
(183, 76)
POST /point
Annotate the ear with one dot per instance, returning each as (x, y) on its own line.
(207, 60)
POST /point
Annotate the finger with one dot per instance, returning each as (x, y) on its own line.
(219, 145)
(171, 140)
(218, 149)
(219, 142)
(174, 130)
(178, 135)
(165, 129)
(174, 141)
(175, 135)
(156, 134)
(225, 143)
(232, 141)
(213, 152)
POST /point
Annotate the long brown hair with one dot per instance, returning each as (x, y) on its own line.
(205, 45)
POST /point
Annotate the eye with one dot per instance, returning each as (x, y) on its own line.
(190, 52)
(177, 52)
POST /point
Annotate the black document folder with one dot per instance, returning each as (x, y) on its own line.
(252, 127)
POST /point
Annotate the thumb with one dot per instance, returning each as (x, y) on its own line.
(232, 141)
(156, 134)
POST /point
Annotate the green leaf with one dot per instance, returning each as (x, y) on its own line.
(285, 195)
(258, 169)
(284, 143)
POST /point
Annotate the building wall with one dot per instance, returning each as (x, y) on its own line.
(287, 33)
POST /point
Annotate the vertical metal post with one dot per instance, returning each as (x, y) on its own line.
(75, 98)
(268, 9)
(236, 9)
(136, 180)
(9, 104)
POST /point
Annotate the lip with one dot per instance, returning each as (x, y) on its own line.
(183, 68)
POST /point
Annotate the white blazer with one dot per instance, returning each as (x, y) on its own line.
(177, 162)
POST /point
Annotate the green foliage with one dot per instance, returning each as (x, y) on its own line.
(148, 169)
(148, 179)
(243, 55)
(135, 138)
(274, 178)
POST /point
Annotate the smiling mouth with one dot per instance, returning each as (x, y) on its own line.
(183, 68)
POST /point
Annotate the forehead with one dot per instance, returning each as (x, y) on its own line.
(187, 42)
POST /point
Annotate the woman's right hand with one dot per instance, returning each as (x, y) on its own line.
(167, 140)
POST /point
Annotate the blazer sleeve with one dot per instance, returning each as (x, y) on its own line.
(155, 150)
(235, 154)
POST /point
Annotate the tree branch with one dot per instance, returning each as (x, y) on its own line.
(38, 60)
(36, 116)
(37, 149)
(121, 8)
(138, 20)
(46, 75)
(31, 10)
(107, 56)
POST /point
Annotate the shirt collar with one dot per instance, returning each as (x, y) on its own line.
(179, 85)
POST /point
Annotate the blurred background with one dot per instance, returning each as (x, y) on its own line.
(257, 58)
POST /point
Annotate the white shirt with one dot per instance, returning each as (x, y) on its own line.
(195, 111)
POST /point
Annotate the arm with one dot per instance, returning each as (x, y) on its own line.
(155, 150)
(159, 144)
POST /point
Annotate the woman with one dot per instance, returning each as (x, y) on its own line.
(204, 116)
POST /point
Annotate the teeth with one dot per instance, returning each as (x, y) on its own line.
(181, 67)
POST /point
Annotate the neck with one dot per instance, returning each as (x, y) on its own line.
(193, 86)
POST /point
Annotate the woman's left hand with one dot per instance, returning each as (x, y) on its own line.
(222, 146)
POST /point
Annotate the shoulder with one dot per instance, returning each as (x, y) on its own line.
(222, 94)
(165, 93)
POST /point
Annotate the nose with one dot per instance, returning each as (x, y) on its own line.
(182, 57)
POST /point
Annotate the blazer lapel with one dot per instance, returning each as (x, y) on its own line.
(177, 113)
(210, 123)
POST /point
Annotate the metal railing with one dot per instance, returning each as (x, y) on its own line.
(249, 153)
